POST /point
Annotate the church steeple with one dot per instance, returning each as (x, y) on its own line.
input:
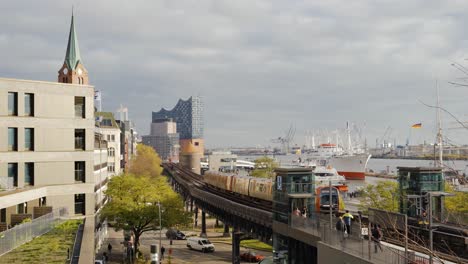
(73, 70)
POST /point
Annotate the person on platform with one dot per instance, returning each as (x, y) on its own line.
(297, 212)
(377, 237)
(163, 249)
(347, 217)
(304, 212)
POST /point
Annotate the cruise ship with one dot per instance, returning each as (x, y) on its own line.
(352, 164)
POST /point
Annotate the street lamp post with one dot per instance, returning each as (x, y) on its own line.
(160, 234)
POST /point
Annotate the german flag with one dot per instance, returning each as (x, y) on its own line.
(418, 125)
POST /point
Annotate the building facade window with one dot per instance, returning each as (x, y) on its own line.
(110, 138)
(12, 104)
(12, 139)
(22, 208)
(80, 203)
(13, 173)
(29, 104)
(28, 173)
(3, 215)
(80, 107)
(43, 201)
(29, 139)
(111, 152)
(80, 171)
(80, 139)
(111, 167)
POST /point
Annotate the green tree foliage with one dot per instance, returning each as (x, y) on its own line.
(264, 167)
(383, 195)
(457, 205)
(133, 204)
(146, 162)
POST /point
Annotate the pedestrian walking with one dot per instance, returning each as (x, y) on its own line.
(304, 212)
(377, 237)
(162, 252)
(341, 228)
(347, 217)
(109, 248)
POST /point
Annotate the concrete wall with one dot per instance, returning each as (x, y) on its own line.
(327, 254)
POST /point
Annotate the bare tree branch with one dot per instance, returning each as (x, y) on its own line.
(446, 111)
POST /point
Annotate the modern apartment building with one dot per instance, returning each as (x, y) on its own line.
(47, 143)
(110, 130)
(128, 138)
(164, 139)
(188, 114)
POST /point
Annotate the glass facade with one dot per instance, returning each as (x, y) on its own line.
(29, 139)
(79, 107)
(188, 115)
(29, 104)
(12, 103)
(13, 173)
(80, 139)
(29, 173)
(80, 204)
(80, 171)
(12, 139)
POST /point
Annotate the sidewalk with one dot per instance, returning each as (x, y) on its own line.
(117, 253)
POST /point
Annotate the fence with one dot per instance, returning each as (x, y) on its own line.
(6, 183)
(22, 233)
(355, 243)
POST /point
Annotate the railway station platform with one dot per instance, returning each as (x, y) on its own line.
(335, 247)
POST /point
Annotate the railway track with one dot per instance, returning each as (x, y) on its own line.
(424, 250)
(197, 180)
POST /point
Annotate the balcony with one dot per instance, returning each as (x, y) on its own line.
(6, 184)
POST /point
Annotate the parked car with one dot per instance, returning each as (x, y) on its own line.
(251, 257)
(199, 243)
(175, 234)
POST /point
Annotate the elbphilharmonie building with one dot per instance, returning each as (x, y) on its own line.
(188, 114)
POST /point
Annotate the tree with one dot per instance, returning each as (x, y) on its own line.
(133, 205)
(264, 167)
(457, 205)
(384, 195)
(146, 162)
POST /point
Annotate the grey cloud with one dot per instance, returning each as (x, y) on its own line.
(260, 65)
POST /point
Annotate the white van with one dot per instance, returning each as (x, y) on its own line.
(199, 243)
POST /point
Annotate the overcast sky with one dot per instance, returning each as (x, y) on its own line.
(261, 66)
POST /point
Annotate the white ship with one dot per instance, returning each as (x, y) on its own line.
(351, 166)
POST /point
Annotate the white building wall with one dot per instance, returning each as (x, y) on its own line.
(54, 153)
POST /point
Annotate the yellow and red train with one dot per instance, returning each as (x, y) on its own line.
(262, 188)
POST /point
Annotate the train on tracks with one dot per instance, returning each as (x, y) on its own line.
(262, 189)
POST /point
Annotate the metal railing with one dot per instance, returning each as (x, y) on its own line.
(355, 243)
(22, 233)
(6, 183)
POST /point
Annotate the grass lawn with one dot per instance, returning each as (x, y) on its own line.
(48, 248)
(255, 244)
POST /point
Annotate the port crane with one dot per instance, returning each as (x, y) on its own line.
(286, 140)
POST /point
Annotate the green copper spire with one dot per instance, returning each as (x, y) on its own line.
(72, 57)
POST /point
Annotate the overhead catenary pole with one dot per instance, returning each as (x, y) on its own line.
(439, 128)
(160, 232)
(431, 242)
(330, 203)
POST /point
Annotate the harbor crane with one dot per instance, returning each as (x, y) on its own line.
(286, 140)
